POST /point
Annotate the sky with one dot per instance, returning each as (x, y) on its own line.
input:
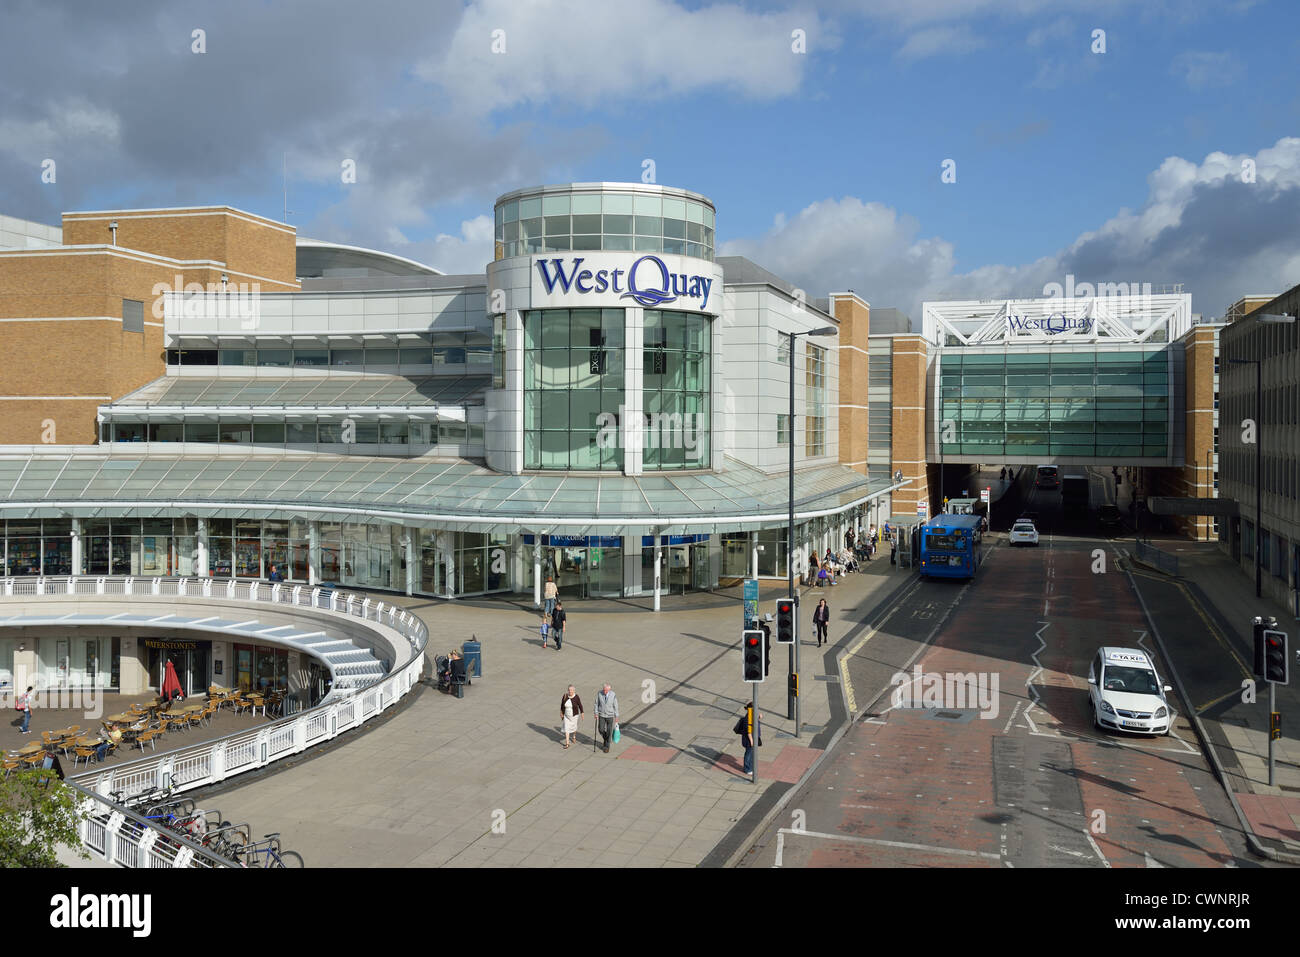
(904, 149)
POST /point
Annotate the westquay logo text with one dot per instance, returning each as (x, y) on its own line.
(75, 910)
(648, 282)
(1051, 325)
(956, 691)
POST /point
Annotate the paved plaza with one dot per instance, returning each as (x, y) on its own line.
(484, 780)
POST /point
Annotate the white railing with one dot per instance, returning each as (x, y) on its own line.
(120, 836)
(217, 760)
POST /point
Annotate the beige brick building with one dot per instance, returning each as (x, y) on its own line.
(81, 322)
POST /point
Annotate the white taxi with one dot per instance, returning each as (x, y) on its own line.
(1126, 694)
(1023, 533)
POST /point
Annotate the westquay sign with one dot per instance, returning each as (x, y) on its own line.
(1051, 325)
(648, 280)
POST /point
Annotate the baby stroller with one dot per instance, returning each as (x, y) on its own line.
(442, 669)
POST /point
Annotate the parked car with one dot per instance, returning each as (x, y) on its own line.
(1109, 516)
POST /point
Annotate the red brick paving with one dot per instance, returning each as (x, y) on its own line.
(1272, 815)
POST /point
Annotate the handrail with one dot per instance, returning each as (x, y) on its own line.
(213, 761)
(103, 832)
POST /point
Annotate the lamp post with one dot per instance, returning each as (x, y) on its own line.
(792, 698)
(1272, 319)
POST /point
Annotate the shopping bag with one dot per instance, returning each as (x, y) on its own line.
(615, 736)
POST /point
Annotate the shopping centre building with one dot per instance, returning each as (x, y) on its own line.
(199, 392)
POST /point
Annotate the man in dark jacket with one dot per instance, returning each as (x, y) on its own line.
(558, 618)
(750, 730)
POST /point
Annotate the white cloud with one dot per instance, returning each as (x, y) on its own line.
(1201, 69)
(1200, 225)
(938, 41)
(69, 124)
(589, 53)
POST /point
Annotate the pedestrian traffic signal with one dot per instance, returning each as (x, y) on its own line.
(785, 619)
(1275, 663)
(1275, 726)
(751, 653)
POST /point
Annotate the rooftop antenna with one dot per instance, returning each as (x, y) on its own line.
(284, 182)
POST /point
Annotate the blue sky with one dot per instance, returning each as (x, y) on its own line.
(1122, 165)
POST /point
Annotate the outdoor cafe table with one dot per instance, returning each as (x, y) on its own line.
(30, 749)
(126, 718)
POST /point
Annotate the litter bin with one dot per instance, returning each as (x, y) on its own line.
(472, 651)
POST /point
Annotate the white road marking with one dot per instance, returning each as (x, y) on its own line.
(905, 845)
(1151, 861)
(780, 847)
(1105, 863)
(1014, 710)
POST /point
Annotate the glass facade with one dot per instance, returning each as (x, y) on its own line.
(612, 220)
(467, 351)
(676, 386)
(1106, 404)
(573, 389)
(308, 431)
(815, 397)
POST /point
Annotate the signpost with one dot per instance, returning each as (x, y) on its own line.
(988, 507)
(751, 603)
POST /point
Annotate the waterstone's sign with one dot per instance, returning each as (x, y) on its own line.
(1051, 324)
(652, 281)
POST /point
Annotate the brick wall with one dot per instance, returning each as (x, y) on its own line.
(854, 316)
(909, 359)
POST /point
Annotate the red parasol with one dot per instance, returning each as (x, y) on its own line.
(171, 684)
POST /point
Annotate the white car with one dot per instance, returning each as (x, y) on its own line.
(1023, 533)
(1126, 694)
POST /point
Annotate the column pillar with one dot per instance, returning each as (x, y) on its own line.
(659, 568)
(408, 549)
(78, 567)
(201, 568)
(447, 556)
(753, 554)
(313, 554)
(537, 571)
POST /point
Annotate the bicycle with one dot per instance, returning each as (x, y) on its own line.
(268, 849)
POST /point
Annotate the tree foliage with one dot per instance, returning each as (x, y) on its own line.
(38, 814)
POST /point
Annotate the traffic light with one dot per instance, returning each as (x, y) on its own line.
(1275, 663)
(1261, 625)
(751, 653)
(785, 622)
(767, 652)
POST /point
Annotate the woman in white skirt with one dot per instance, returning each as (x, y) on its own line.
(570, 714)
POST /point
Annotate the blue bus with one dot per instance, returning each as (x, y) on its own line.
(950, 546)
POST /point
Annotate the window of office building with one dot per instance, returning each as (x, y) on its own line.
(782, 428)
(676, 390)
(573, 388)
(815, 413)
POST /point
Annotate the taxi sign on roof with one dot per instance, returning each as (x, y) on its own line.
(1128, 656)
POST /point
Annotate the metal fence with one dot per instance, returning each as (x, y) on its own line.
(120, 836)
(1146, 552)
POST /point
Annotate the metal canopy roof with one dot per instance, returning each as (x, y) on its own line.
(422, 491)
(300, 392)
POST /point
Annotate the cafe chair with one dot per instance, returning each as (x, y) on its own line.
(80, 752)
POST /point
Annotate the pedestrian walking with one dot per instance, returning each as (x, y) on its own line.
(893, 549)
(606, 714)
(558, 620)
(546, 626)
(24, 704)
(275, 575)
(821, 618)
(751, 733)
(570, 715)
(550, 596)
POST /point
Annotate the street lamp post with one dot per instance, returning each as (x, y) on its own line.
(793, 712)
(1272, 319)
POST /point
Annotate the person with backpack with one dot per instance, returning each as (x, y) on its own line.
(750, 731)
(24, 704)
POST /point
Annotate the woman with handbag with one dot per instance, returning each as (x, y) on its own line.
(570, 715)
